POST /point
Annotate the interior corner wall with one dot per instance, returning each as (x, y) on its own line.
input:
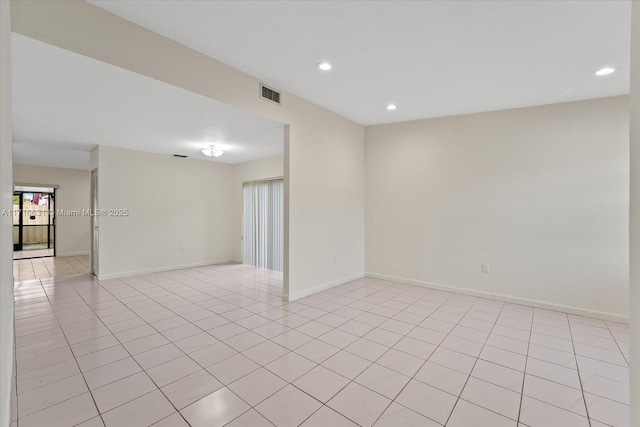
(271, 167)
(94, 155)
(634, 238)
(73, 232)
(178, 212)
(7, 407)
(324, 174)
(326, 200)
(540, 194)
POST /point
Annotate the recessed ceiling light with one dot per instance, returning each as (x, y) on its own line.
(605, 71)
(324, 66)
(391, 107)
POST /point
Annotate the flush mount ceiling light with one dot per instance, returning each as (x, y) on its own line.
(391, 107)
(605, 71)
(212, 151)
(324, 66)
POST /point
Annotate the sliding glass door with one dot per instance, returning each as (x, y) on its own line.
(263, 224)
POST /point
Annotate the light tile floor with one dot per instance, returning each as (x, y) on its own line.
(32, 253)
(41, 268)
(216, 346)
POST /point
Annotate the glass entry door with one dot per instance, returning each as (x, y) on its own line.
(34, 222)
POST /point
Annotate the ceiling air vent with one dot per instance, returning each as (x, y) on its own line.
(269, 94)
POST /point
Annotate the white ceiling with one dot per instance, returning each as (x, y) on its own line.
(431, 58)
(25, 153)
(65, 101)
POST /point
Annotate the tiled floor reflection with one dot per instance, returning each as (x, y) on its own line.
(42, 268)
(32, 253)
(216, 346)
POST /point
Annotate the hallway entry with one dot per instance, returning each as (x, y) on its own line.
(33, 222)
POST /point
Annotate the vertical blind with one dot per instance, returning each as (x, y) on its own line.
(263, 229)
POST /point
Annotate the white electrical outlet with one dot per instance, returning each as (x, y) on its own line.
(485, 268)
(368, 254)
(181, 248)
(335, 259)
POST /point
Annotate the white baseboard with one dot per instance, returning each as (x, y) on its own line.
(319, 288)
(507, 298)
(72, 253)
(161, 269)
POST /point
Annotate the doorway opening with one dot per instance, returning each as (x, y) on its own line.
(34, 222)
(94, 223)
(263, 223)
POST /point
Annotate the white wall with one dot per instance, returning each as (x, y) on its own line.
(325, 218)
(540, 194)
(327, 194)
(7, 411)
(73, 233)
(634, 255)
(271, 167)
(172, 202)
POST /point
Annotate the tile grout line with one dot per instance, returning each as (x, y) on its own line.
(447, 335)
(186, 354)
(321, 364)
(230, 321)
(526, 361)
(244, 294)
(617, 344)
(318, 364)
(406, 290)
(134, 359)
(584, 400)
(251, 407)
(371, 364)
(453, 294)
(472, 368)
(75, 360)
